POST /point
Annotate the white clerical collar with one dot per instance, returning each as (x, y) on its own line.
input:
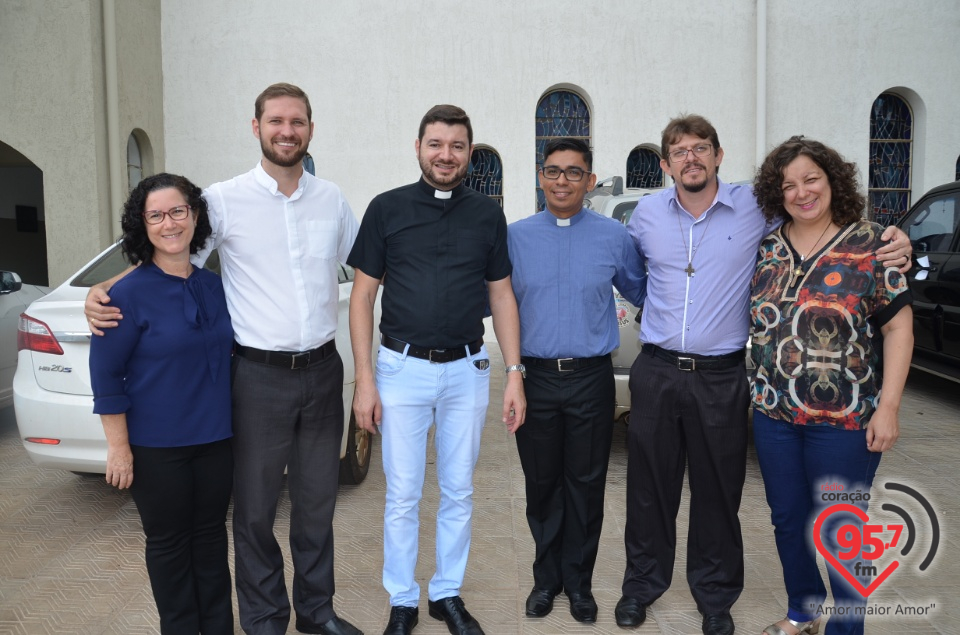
(442, 193)
(563, 222)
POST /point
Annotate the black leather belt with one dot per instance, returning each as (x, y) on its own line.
(565, 364)
(691, 362)
(287, 359)
(435, 355)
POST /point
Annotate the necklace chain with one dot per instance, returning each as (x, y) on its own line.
(798, 270)
(690, 270)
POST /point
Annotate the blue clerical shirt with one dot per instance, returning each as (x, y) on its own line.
(564, 271)
(705, 312)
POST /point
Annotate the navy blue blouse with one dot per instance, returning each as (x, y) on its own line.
(167, 364)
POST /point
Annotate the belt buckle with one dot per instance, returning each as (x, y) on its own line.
(682, 364)
(560, 365)
(297, 356)
(439, 351)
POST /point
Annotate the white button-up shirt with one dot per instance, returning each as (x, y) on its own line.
(278, 257)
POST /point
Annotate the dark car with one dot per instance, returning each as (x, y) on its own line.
(933, 225)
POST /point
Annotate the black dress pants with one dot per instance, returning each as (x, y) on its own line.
(293, 419)
(564, 448)
(182, 495)
(698, 420)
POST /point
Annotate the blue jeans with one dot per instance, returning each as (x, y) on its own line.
(797, 462)
(416, 393)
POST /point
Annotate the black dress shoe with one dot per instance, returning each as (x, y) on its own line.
(630, 612)
(540, 602)
(718, 624)
(335, 626)
(402, 620)
(452, 611)
(583, 607)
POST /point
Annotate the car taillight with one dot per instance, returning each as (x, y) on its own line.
(34, 335)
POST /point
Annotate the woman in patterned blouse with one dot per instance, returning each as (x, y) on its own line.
(820, 422)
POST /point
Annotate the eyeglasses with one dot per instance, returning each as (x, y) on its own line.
(155, 216)
(553, 173)
(680, 154)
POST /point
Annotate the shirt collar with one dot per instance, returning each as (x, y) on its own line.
(432, 191)
(563, 222)
(270, 184)
(723, 197)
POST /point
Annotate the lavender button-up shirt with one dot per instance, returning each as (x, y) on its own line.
(705, 313)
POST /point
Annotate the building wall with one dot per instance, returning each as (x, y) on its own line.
(373, 67)
(53, 110)
(188, 72)
(48, 112)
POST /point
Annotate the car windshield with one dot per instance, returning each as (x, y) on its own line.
(112, 262)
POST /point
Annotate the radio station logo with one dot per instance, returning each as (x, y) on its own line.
(866, 551)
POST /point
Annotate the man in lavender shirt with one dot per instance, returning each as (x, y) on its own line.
(688, 386)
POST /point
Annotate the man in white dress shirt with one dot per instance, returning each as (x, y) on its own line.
(280, 232)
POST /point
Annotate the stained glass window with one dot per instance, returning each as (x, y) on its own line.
(643, 168)
(485, 173)
(561, 113)
(891, 148)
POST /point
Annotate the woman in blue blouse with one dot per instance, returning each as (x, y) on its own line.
(161, 384)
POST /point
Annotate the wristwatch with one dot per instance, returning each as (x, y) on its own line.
(520, 367)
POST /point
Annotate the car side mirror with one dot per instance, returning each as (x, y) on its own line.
(9, 282)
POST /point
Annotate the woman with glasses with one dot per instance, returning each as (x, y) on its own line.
(161, 384)
(819, 300)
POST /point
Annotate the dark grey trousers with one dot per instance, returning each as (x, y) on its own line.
(294, 419)
(695, 420)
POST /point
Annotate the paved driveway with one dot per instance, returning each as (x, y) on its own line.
(71, 549)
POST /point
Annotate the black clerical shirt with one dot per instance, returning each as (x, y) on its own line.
(433, 255)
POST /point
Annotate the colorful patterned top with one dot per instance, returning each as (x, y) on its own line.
(814, 327)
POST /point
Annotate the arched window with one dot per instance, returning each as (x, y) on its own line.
(643, 168)
(485, 173)
(891, 147)
(134, 162)
(958, 170)
(561, 113)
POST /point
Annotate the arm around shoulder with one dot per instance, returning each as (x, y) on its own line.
(96, 306)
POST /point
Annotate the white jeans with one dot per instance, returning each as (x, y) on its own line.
(416, 393)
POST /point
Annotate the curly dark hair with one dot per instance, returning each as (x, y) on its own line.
(135, 242)
(847, 203)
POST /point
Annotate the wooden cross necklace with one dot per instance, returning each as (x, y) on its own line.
(689, 270)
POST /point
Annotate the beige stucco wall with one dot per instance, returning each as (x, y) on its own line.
(188, 73)
(52, 110)
(373, 67)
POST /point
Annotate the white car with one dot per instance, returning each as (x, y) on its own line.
(611, 199)
(51, 389)
(14, 298)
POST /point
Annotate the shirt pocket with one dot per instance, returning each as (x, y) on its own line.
(322, 236)
(473, 248)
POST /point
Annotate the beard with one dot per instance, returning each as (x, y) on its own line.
(698, 186)
(287, 161)
(441, 182)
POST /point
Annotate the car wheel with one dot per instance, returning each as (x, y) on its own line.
(356, 462)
